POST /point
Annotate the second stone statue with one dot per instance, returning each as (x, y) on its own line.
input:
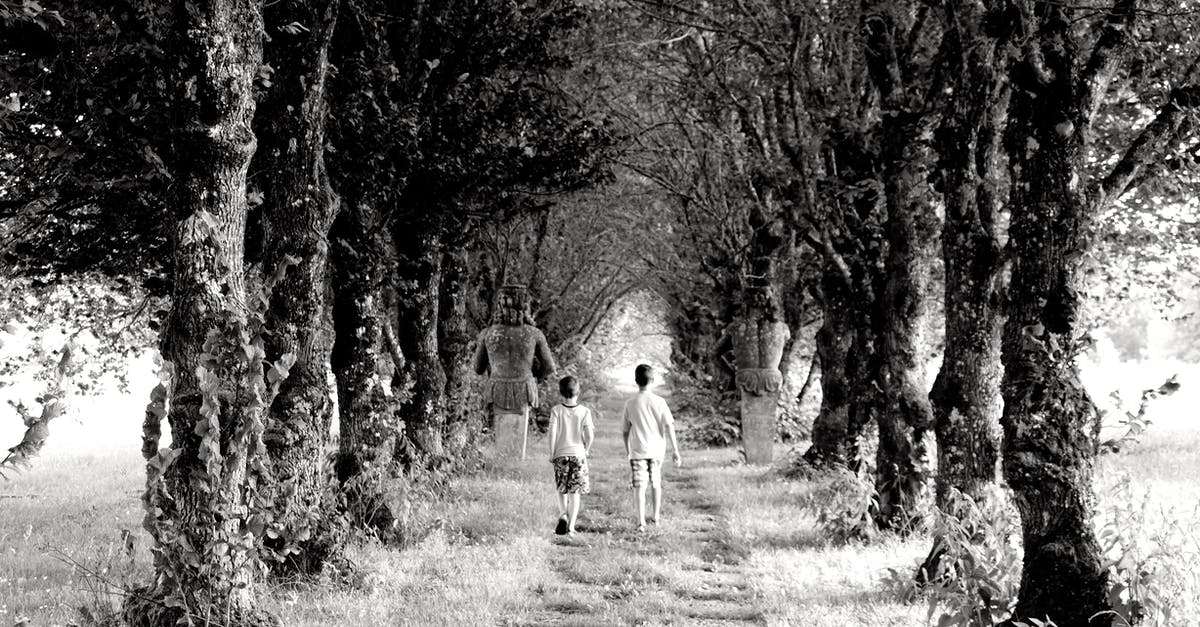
(514, 355)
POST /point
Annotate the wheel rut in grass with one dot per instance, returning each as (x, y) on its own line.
(687, 570)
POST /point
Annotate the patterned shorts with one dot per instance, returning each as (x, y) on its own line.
(644, 470)
(571, 475)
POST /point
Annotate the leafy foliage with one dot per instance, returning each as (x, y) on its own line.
(978, 570)
(843, 501)
(1129, 426)
(1151, 559)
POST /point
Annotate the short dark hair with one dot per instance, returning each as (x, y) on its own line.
(568, 386)
(642, 374)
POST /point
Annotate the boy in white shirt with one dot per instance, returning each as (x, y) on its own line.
(646, 425)
(571, 435)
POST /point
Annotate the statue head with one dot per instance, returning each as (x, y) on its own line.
(512, 305)
(762, 302)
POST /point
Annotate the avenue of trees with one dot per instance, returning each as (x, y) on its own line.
(341, 187)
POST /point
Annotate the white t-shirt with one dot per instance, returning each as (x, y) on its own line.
(567, 426)
(646, 418)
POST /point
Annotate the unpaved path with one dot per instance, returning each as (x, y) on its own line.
(688, 570)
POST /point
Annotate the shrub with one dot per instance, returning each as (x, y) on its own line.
(712, 416)
(1151, 560)
(842, 503)
(978, 572)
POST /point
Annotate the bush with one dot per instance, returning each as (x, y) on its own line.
(1151, 559)
(712, 417)
(843, 504)
(978, 572)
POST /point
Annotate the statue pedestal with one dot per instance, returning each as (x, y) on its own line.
(758, 427)
(511, 433)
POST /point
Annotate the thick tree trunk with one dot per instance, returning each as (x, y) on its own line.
(966, 392)
(1047, 450)
(363, 366)
(424, 411)
(904, 415)
(299, 210)
(199, 507)
(759, 335)
(833, 435)
(463, 415)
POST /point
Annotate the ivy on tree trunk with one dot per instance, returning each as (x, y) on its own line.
(298, 210)
(201, 495)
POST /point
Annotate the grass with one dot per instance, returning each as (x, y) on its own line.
(736, 546)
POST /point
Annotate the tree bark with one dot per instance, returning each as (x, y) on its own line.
(200, 495)
(363, 367)
(299, 210)
(424, 411)
(966, 392)
(1048, 455)
(833, 436)
(905, 414)
(463, 415)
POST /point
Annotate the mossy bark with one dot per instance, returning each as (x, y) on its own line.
(1048, 454)
(363, 367)
(966, 392)
(199, 505)
(904, 414)
(424, 410)
(298, 212)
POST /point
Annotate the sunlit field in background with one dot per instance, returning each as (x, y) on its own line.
(742, 549)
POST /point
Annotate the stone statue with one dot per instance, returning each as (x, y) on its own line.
(758, 342)
(514, 355)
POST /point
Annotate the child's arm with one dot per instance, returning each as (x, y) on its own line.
(669, 427)
(589, 432)
(674, 444)
(553, 431)
(625, 427)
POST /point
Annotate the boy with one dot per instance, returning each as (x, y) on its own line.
(646, 425)
(571, 435)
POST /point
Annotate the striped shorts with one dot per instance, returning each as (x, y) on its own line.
(645, 471)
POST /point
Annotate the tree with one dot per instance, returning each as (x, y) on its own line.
(1059, 85)
(298, 209)
(966, 393)
(200, 493)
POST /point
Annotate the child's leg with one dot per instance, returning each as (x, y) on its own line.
(639, 498)
(574, 501)
(562, 504)
(655, 479)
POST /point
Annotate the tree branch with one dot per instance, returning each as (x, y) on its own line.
(1149, 144)
(1114, 39)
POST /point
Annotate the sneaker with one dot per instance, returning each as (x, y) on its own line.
(561, 527)
(641, 528)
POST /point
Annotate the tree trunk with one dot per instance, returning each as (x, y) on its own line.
(200, 495)
(463, 414)
(299, 210)
(904, 415)
(1047, 451)
(363, 367)
(833, 438)
(759, 334)
(424, 411)
(966, 392)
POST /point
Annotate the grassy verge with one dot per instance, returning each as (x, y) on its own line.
(736, 547)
